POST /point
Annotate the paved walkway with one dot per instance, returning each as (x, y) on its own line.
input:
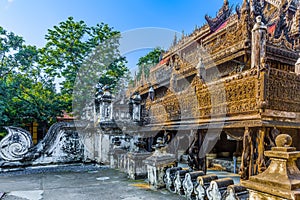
(102, 184)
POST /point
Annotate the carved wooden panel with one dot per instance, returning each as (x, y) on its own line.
(283, 91)
(233, 34)
(229, 96)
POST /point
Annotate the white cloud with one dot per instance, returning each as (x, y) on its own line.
(10, 1)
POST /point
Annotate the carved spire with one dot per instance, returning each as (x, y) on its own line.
(257, 9)
(143, 77)
(174, 40)
(296, 21)
(245, 6)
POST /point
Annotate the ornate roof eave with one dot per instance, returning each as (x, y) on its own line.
(281, 54)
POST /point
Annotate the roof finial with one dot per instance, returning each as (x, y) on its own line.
(175, 39)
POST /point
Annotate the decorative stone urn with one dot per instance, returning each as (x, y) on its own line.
(281, 180)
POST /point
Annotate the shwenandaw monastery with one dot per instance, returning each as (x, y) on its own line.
(217, 118)
(229, 88)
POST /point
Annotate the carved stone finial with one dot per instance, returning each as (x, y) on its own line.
(258, 19)
(281, 180)
(283, 140)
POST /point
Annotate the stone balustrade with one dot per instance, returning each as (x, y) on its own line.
(203, 184)
(217, 188)
(178, 181)
(190, 182)
(169, 178)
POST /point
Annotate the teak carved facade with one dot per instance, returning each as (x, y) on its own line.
(238, 73)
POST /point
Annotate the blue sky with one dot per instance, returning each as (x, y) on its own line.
(31, 18)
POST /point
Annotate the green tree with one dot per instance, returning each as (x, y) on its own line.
(26, 93)
(72, 45)
(149, 60)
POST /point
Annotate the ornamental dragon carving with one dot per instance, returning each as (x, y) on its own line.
(16, 144)
(62, 143)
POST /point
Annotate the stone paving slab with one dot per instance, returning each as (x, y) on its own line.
(102, 184)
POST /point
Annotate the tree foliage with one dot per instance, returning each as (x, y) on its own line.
(149, 60)
(28, 74)
(26, 94)
(70, 45)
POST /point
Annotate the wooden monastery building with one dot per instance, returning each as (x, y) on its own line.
(229, 88)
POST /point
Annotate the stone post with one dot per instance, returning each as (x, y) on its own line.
(281, 180)
(259, 39)
(136, 167)
(157, 165)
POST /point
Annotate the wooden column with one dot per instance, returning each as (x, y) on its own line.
(202, 161)
(246, 168)
(260, 150)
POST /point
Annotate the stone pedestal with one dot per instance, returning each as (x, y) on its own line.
(136, 167)
(281, 180)
(123, 162)
(115, 156)
(157, 165)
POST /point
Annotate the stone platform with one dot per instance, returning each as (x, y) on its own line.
(78, 183)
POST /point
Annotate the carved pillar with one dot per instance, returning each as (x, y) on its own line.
(297, 66)
(259, 38)
(136, 116)
(105, 106)
(262, 91)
